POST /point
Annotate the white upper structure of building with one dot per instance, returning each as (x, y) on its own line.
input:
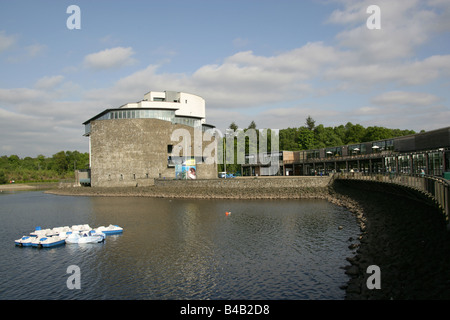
(184, 104)
(176, 107)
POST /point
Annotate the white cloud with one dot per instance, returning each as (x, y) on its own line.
(405, 25)
(34, 50)
(404, 98)
(367, 110)
(133, 87)
(110, 58)
(28, 53)
(38, 134)
(17, 95)
(48, 82)
(352, 13)
(6, 41)
(242, 80)
(408, 73)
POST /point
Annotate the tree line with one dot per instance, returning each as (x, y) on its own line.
(310, 136)
(59, 166)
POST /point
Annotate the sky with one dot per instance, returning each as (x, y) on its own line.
(271, 62)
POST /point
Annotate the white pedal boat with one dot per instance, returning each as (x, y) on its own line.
(85, 237)
(47, 242)
(58, 231)
(111, 229)
(38, 232)
(81, 227)
(64, 234)
(25, 241)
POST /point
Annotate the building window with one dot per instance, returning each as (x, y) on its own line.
(313, 154)
(333, 152)
(435, 163)
(404, 164)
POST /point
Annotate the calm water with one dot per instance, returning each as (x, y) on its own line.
(178, 249)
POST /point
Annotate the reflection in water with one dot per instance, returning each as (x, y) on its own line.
(185, 249)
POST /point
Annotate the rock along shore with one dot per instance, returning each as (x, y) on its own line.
(407, 239)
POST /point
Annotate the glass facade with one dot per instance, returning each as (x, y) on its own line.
(404, 164)
(312, 154)
(356, 149)
(192, 122)
(435, 163)
(166, 115)
(333, 152)
(385, 145)
(419, 164)
(390, 164)
(430, 163)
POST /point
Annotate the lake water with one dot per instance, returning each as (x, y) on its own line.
(178, 249)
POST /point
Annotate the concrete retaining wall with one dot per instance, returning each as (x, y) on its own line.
(249, 182)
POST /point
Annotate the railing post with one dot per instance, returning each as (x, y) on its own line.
(436, 190)
(445, 202)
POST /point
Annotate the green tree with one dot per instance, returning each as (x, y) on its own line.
(233, 126)
(60, 163)
(340, 132)
(29, 163)
(41, 162)
(289, 139)
(376, 133)
(252, 125)
(3, 178)
(14, 161)
(310, 123)
(354, 133)
(305, 138)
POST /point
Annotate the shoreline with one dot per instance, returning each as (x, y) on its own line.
(28, 186)
(407, 239)
(324, 193)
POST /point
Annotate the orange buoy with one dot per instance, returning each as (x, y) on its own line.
(227, 213)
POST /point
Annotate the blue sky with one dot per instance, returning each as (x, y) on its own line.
(274, 62)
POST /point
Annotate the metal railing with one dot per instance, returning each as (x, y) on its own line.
(437, 188)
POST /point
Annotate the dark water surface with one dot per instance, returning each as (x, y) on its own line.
(178, 249)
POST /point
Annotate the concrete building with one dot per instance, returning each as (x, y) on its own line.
(139, 141)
